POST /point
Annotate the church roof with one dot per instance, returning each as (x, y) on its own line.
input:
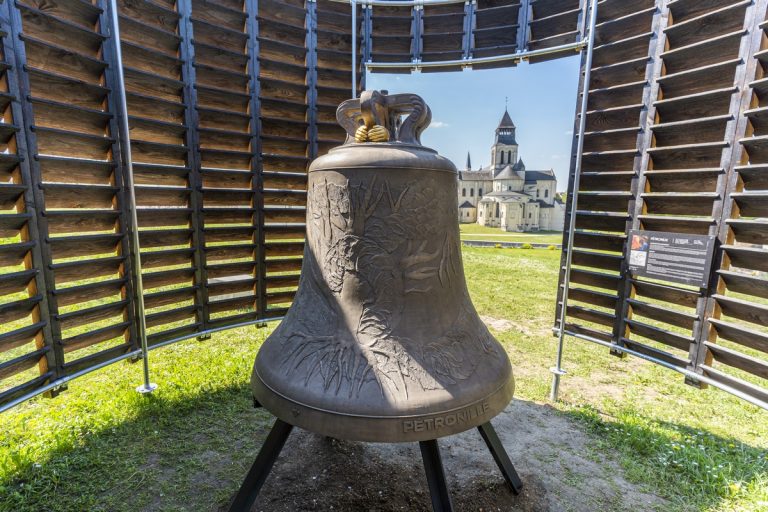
(531, 176)
(475, 175)
(507, 173)
(466, 204)
(506, 121)
(507, 196)
(543, 204)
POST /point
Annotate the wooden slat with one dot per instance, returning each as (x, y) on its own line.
(738, 360)
(660, 335)
(740, 334)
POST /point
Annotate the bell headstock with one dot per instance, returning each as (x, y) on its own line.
(380, 117)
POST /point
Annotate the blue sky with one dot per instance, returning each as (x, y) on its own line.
(467, 106)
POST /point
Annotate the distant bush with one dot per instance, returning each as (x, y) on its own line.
(526, 246)
(551, 247)
(498, 246)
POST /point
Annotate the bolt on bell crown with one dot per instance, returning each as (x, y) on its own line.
(382, 342)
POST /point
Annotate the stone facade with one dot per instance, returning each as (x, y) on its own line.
(507, 195)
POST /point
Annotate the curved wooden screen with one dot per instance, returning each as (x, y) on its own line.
(674, 142)
(65, 95)
(468, 30)
(228, 102)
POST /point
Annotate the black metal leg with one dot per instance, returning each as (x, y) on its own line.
(259, 472)
(433, 466)
(501, 457)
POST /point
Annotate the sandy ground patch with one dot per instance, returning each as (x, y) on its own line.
(553, 455)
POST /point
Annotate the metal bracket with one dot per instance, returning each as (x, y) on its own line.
(146, 389)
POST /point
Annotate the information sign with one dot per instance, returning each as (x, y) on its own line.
(676, 257)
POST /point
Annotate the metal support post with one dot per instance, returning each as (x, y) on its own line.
(500, 456)
(262, 466)
(125, 142)
(433, 467)
(557, 370)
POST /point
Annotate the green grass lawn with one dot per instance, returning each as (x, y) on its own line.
(102, 447)
(478, 232)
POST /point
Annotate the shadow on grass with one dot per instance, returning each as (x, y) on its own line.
(193, 452)
(185, 454)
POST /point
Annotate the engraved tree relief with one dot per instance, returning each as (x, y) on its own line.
(373, 245)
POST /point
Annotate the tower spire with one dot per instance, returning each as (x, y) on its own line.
(469, 162)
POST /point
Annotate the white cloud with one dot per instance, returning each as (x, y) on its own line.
(438, 124)
(569, 132)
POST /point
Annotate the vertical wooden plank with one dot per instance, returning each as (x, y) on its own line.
(311, 44)
(466, 44)
(257, 181)
(30, 166)
(644, 141)
(52, 362)
(126, 248)
(571, 195)
(192, 121)
(523, 18)
(417, 29)
(365, 35)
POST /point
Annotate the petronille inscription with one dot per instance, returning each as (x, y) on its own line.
(382, 342)
(447, 420)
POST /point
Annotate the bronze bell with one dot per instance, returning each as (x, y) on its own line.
(382, 342)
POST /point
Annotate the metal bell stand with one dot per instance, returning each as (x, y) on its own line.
(430, 454)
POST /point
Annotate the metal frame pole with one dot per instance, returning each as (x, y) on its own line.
(125, 143)
(129, 355)
(684, 371)
(515, 57)
(353, 3)
(557, 370)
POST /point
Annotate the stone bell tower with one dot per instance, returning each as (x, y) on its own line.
(504, 150)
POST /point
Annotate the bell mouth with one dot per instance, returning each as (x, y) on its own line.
(392, 428)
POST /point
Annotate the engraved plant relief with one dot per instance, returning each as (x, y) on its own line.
(375, 247)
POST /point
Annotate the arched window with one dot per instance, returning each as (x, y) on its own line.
(463, 192)
(497, 209)
(537, 192)
(509, 156)
(546, 192)
(472, 192)
(480, 192)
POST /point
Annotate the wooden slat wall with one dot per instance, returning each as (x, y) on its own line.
(228, 102)
(620, 84)
(154, 45)
(66, 87)
(287, 90)
(27, 359)
(482, 28)
(734, 347)
(673, 143)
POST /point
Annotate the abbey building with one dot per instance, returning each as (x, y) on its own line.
(507, 195)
